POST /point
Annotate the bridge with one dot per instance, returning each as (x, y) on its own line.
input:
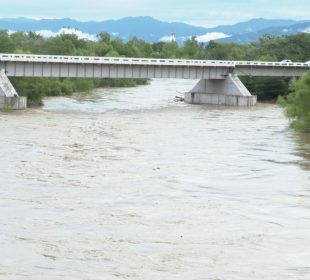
(218, 80)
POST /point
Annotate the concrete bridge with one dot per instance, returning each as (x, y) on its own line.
(218, 80)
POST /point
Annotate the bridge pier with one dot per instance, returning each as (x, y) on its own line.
(9, 98)
(230, 92)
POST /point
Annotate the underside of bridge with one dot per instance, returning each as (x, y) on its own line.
(230, 92)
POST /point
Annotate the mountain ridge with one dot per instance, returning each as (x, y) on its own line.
(153, 30)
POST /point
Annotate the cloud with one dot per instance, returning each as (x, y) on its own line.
(170, 38)
(78, 33)
(211, 36)
(201, 39)
(307, 30)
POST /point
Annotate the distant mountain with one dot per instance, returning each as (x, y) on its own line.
(147, 28)
(253, 25)
(153, 30)
(276, 31)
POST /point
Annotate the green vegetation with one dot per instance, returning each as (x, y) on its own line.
(297, 104)
(36, 88)
(7, 109)
(123, 82)
(269, 48)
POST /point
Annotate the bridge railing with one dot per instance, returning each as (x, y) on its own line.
(272, 64)
(142, 61)
(112, 60)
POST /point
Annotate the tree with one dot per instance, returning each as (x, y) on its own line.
(6, 44)
(104, 37)
(170, 50)
(267, 88)
(297, 104)
(103, 48)
(191, 48)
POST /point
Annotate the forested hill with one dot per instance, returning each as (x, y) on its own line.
(268, 48)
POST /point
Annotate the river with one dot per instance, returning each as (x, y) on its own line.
(128, 184)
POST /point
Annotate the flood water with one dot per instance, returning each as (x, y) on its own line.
(128, 184)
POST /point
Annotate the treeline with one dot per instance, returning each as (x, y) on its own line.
(269, 48)
(297, 104)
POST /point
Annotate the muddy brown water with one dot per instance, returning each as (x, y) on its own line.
(128, 184)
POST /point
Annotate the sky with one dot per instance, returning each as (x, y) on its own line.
(206, 13)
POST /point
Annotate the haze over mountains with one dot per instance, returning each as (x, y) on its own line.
(153, 30)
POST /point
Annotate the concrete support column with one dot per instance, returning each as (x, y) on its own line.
(230, 91)
(9, 98)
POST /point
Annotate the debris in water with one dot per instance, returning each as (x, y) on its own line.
(179, 99)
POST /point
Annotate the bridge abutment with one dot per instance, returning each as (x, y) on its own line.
(229, 92)
(9, 98)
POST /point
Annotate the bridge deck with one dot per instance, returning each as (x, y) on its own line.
(143, 61)
(26, 65)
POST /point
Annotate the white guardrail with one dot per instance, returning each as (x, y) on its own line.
(142, 61)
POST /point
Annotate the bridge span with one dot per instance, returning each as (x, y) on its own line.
(219, 82)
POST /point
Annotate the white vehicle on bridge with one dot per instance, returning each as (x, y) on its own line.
(286, 61)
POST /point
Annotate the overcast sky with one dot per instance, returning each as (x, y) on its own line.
(198, 12)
